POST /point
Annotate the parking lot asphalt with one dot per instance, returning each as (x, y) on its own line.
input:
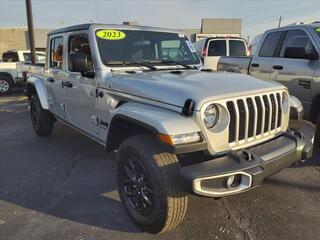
(63, 187)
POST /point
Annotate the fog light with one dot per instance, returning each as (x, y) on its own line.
(230, 180)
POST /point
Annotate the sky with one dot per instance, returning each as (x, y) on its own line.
(257, 15)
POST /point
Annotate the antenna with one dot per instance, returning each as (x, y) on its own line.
(280, 19)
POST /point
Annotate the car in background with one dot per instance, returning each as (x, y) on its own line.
(289, 55)
(13, 67)
(211, 49)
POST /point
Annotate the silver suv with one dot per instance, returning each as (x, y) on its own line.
(176, 129)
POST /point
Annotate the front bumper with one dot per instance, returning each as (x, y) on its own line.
(239, 171)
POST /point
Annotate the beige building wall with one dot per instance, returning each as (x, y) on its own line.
(17, 38)
(221, 26)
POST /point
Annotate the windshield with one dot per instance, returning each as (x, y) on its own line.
(145, 46)
(40, 58)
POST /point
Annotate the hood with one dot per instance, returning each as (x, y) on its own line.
(174, 89)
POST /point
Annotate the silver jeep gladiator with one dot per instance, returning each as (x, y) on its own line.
(176, 129)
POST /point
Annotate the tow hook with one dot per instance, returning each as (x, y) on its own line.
(298, 134)
(247, 155)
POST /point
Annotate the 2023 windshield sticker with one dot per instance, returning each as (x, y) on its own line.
(110, 34)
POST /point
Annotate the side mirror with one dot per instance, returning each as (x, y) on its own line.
(312, 54)
(79, 62)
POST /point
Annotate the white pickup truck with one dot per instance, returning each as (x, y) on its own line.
(12, 67)
(212, 49)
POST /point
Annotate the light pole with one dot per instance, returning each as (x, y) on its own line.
(30, 30)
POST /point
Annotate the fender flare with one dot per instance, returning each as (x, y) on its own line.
(161, 120)
(132, 118)
(36, 85)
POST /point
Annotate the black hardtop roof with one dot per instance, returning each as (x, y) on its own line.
(84, 26)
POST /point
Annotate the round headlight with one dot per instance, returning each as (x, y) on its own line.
(285, 102)
(211, 115)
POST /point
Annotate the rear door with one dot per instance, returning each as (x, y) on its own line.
(215, 49)
(237, 48)
(261, 64)
(296, 72)
(54, 76)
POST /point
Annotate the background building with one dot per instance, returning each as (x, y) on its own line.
(215, 27)
(18, 38)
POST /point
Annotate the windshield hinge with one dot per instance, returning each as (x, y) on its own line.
(188, 107)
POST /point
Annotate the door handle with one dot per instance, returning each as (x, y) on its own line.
(254, 64)
(67, 84)
(277, 67)
(50, 79)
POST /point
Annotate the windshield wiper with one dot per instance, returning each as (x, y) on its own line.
(137, 63)
(167, 61)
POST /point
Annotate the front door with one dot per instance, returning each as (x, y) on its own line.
(81, 99)
(296, 72)
(262, 62)
(54, 76)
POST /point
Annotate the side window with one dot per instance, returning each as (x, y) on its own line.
(27, 57)
(270, 44)
(56, 52)
(217, 48)
(80, 44)
(296, 39)
(10, 57)
(237, 48)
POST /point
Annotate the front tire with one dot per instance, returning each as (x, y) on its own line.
(316, 143)
(6, 85)
(148, 184)
(42, 120)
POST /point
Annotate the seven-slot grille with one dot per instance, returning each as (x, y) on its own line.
(253, 116)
